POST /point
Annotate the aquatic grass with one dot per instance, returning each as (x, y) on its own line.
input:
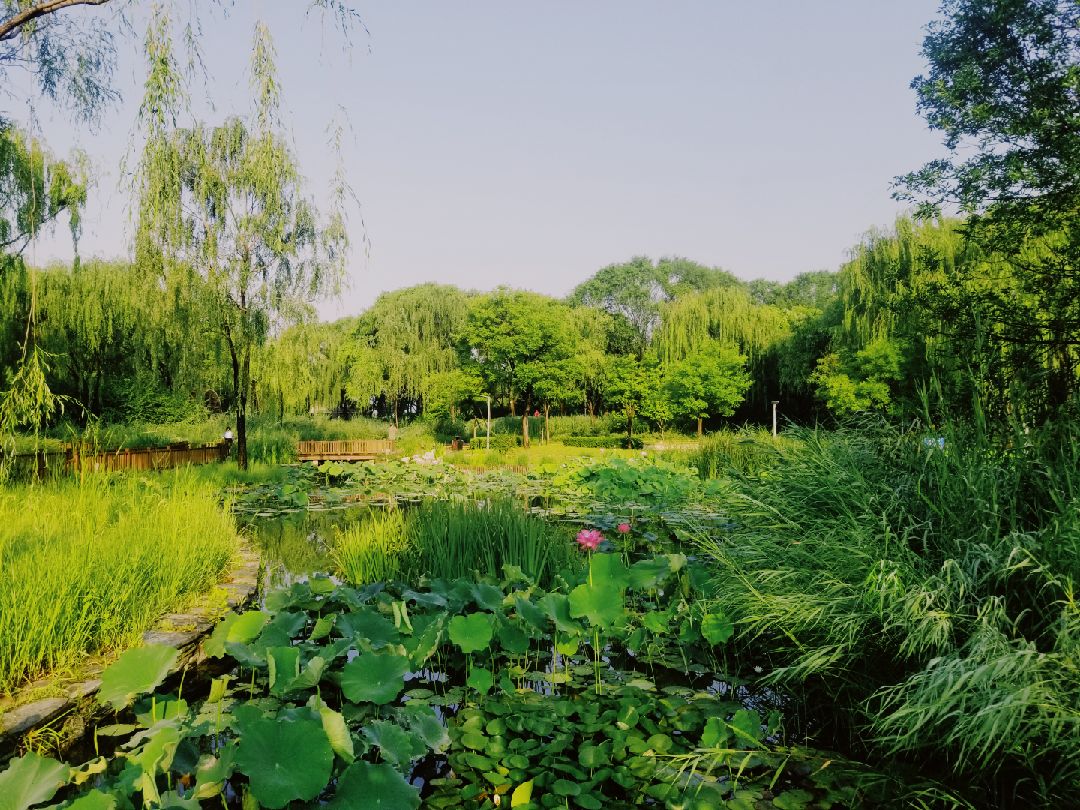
(449, 540)
(744, 452)
(371, 550)
(87, 566)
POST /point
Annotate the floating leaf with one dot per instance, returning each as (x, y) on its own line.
(285, 759)
(374, 787)
(374, 677)
(473, 632)
(31, 779)
(135, 672)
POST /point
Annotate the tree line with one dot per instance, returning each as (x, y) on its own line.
(979, 311)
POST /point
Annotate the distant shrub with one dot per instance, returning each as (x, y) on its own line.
(610, 442)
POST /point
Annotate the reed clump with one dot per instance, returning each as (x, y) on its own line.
(448, 540)
(88, 566)
(919, 600)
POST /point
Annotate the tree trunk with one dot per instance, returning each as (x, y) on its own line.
(525, 429)
(241, 412)
(547, 429)
(699, 426)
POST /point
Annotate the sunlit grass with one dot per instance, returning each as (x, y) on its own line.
(87, 567)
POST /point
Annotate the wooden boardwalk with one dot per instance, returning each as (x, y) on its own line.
(347, 450)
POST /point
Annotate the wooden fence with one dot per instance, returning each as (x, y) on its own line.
(55, 463)
(344, 450)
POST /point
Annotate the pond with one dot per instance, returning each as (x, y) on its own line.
(508, 665)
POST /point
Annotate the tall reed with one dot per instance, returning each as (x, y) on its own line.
(87, 566)
(920, 600)
(440, 539)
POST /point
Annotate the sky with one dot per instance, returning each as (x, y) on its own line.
(530, 144)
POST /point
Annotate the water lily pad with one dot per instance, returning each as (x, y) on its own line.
(285, 759)
(31, 779)
(374, 677)
(473, 632)
(135, 672)
(374, 787)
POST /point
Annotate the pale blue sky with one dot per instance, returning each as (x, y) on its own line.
(530, 144)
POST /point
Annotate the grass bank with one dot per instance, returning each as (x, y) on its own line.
(86, 567)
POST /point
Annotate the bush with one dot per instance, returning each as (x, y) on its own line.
(609, 442)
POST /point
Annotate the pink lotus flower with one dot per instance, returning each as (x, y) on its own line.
(624, 528)
(590, 539)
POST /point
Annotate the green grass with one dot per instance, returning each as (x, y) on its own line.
(86, 567)
(534, 456)
(447, 540)
(919, 603)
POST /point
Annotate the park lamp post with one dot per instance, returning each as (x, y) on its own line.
(775, 402)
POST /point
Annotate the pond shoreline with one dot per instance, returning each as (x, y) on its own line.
(70, 702)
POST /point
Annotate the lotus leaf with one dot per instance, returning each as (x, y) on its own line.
(396, 745)
(601, 604)
(31, 779)
(135, 672)
(716, 628)
(238, 629)
(285, 759)
(374, 787)
(94, 800)
(481, 680)
(473, 632)
(374, 677)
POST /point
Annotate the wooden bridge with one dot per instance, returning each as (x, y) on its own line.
(349, 450)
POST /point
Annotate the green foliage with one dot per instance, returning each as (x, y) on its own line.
(711, 382)
(225, 205)
(549, 720)
(87, 566)
(629, 443)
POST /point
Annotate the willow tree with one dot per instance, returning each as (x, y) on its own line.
(224, 205)
(730, 316)
(403, 342)
(302, 369)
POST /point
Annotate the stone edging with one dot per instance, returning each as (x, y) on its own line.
(185, 631)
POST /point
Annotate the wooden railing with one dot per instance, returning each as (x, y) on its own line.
(353, 449)
(44, 464)
(344, 450)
